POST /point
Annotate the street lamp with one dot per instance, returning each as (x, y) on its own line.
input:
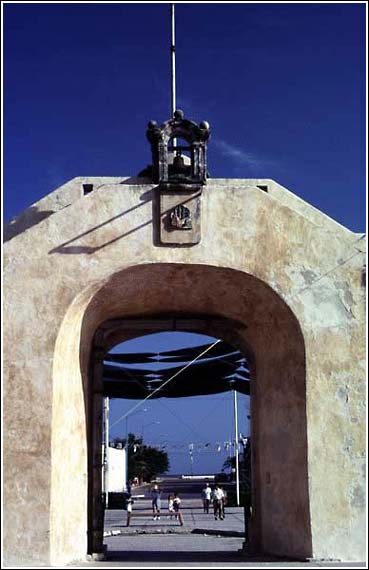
(190, 449)
(232, 385)
(126, 444)
(162, 445)
(146, 425)
(105, 466)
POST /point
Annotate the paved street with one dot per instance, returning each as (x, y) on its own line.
(195, 520)
(201, 542)
(192, 551)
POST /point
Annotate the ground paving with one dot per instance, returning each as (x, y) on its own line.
(194, 518)
(202, 542)
(192, 551)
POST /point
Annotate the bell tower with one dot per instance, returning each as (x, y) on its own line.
(169, 168)
(179, 168)
(180, 177)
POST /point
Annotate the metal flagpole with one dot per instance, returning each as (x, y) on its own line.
(236, 447)
(173, 59)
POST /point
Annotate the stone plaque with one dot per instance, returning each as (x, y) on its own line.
(180, 217)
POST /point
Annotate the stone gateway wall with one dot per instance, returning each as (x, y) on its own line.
(289, 276)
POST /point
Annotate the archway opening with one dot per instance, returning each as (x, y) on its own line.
(179, 408)
(223, 303)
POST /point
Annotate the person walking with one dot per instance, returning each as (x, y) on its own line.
(156, 502)
(217, 502)
(223, 502)
(129, 506)
(206, 497)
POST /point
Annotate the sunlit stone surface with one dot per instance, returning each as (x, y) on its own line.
(289, 275)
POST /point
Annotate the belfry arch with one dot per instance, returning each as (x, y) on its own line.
(225, 303)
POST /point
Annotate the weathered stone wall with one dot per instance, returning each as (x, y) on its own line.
(62, 274)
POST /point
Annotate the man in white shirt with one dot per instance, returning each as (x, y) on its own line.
(218, 497)
(206, 497)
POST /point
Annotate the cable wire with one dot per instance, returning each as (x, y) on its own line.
(165, 383)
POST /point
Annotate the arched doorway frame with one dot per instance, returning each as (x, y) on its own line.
(113, 332)
(259, 319)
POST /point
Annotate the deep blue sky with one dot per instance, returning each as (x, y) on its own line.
(282, 85)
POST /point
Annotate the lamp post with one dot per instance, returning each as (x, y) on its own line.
(161, 442)
(126, 457)
(157, 422)
(126, 444)
(190, 449)
(106, 450)
(235, 407)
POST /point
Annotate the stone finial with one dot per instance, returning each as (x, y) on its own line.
(178, 115)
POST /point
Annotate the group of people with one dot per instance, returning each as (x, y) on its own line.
(174, 504)
(218, 496)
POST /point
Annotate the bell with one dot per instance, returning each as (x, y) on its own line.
(178, 163)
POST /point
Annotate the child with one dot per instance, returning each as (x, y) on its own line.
(171, 506)
(176, 505)
(129, 507)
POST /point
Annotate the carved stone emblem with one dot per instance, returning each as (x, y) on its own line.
(180, 218)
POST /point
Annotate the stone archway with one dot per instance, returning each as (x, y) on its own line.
(239, 308)
(264, 256)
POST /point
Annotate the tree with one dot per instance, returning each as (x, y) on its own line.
(244, 472)
(144, 462)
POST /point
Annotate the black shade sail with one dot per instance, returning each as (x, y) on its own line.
(208, 375)
(182, 355)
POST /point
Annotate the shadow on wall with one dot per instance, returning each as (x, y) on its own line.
(32, 216)
(71, 248)
(67, 248)
(29, 218)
